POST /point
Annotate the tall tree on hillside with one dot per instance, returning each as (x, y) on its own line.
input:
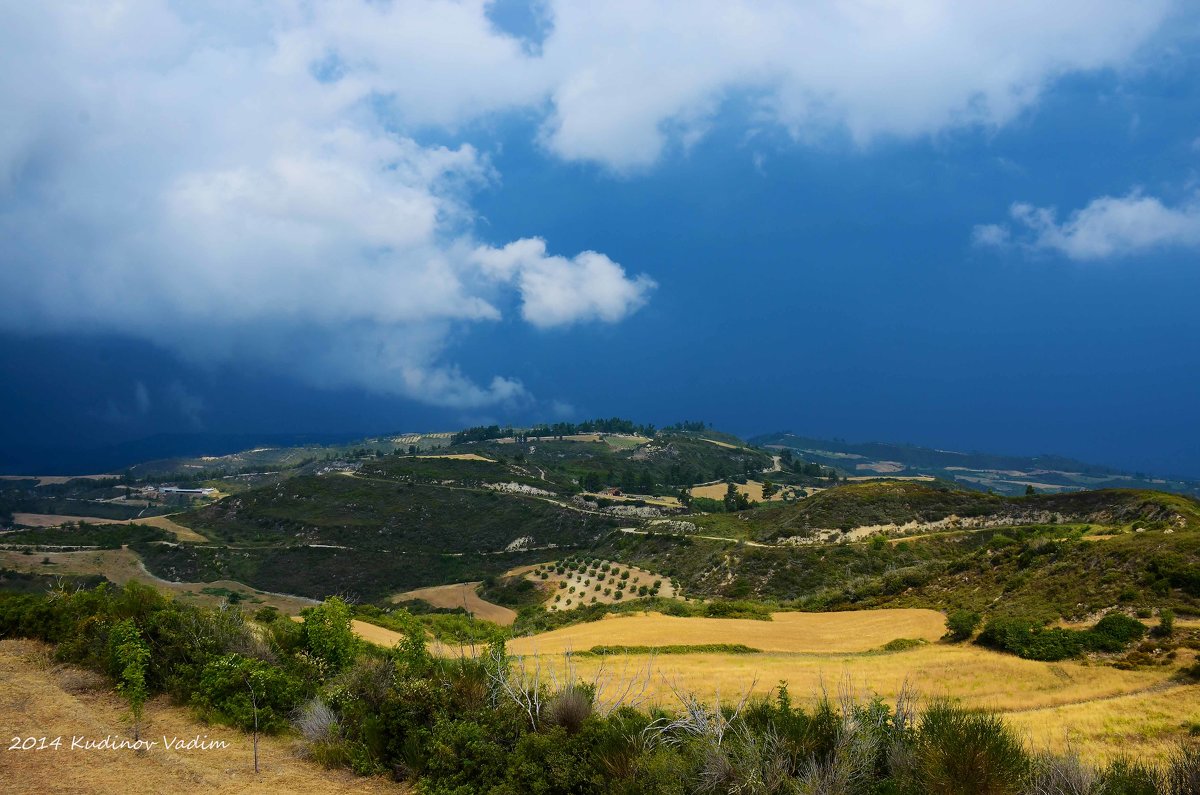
(685, 497)
(731, 496)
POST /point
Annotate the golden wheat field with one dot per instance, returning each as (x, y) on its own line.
(751, 488)
(787, 632)
(39, 699)
(1098, 710)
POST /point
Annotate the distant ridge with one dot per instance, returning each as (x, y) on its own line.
(1006, 474)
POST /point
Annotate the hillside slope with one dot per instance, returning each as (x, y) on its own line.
(912, 507)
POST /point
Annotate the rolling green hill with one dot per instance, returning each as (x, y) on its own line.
(474, 505)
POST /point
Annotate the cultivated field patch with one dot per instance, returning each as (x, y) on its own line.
(751, 488)
(1098, 710)
(813, 633)
(574, 582)
(57, 520)
(461, 594)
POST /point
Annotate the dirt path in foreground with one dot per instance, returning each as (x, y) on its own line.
(39, 699)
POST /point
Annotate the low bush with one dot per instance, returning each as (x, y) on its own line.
(961, 624)
(1112, 633)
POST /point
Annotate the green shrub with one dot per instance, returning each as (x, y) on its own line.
(1166, 623)
(328, 635)
(1114, 632)
(1021, 637)
(961, 624)
(959, 751)
(245, 692)
(1125, 776)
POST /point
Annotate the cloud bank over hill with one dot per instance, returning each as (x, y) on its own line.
(272, 184)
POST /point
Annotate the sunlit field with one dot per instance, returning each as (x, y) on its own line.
(1097, 709)
(788, 632)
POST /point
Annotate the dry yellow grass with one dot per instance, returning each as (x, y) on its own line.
(461, 457)
(461, 594)
(751, 488)
(1145, 724)
(374, 634)
(55, 520)
(818, 633)
(1102, 710)
(166, 523)
(34, 702)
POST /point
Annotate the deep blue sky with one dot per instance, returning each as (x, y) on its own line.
(821, 285)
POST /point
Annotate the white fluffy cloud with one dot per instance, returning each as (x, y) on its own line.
(1108, 227)
(556, 291)
(631, 73)
(208, 188)
(253, 181)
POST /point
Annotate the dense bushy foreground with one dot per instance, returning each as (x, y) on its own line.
(493, 724)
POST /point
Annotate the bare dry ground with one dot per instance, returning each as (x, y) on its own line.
(813, 633)
(723, 444)
(38, 699)
(461, 594)
(461, 457)
(123, 565)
